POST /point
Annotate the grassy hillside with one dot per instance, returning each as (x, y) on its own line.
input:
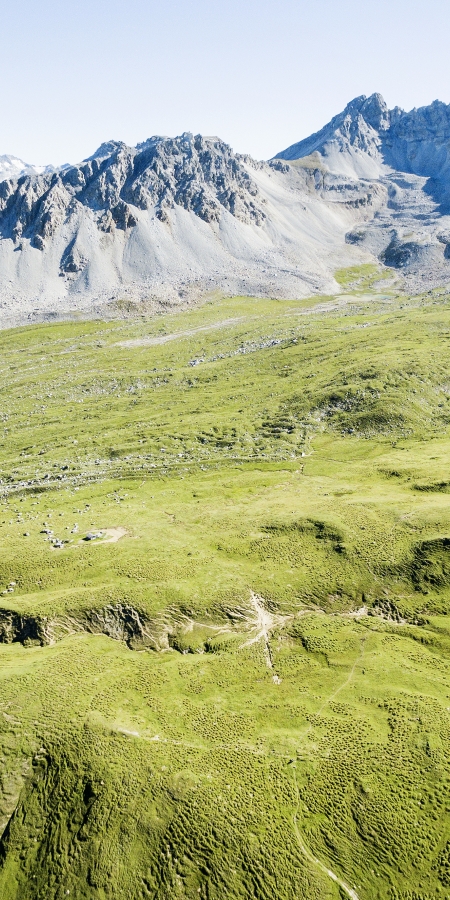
(241, 687)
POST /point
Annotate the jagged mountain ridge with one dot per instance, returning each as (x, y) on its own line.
(167, 220)
(195, 173)
(177, 218)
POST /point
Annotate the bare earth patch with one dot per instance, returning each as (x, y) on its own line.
(164, 338)
(108, 535)
(112, 535)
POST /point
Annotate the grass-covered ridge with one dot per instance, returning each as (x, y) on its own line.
(245, 682)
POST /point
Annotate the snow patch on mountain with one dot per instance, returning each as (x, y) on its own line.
(11, 167)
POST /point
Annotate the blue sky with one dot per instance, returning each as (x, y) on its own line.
(259, 74)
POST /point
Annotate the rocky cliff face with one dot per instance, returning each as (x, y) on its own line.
(199, 174)
(418, 142)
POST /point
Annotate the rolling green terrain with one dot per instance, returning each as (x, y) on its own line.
(240, 687)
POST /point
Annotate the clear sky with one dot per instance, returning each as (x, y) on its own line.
(262, 74)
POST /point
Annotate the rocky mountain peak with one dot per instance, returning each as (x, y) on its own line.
(359, 127)
(405, 140)
(367, 139)
(107, 149)
(375, 112)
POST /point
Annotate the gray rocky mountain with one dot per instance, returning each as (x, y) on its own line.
(200, 175)
(164, 222)
(367, 138)
(174, 219)
(404, 154)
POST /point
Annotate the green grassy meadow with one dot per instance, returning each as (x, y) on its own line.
(241, 689)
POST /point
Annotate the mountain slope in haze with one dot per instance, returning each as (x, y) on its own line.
(13, 167)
